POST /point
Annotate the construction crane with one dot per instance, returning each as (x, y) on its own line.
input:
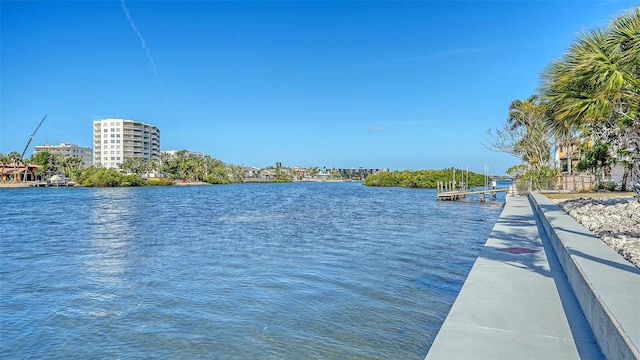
(26, 147)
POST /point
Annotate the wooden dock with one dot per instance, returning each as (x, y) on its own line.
(458, 194)
(46, 184)
(454, 190)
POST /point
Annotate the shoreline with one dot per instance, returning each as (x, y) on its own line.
(564, 284)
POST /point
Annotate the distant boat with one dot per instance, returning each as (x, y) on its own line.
(57, 180)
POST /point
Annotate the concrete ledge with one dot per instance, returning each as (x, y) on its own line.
(607, 286)
(516, 303)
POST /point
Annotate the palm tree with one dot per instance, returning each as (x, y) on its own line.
(565, 137)
(15, 158)
(597, 82)
(624, 38)
(4, 160)
(69, 164)
(527, 118)
(525, 113)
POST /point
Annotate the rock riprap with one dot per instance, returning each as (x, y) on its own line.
(614, 220)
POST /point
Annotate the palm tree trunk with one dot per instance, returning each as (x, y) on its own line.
(635, 157)
(569, 158)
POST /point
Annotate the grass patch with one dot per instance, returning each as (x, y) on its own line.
(589, 195)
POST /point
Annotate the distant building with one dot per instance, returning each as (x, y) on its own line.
(616, 171)
(18, 172)
(188, 153)
(358, 173)
(561, 157)
(115, 140)
(254, 174)
(66, 150)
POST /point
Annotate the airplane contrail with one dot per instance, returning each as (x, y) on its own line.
(144, 45)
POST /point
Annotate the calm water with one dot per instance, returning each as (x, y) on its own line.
(261, 271)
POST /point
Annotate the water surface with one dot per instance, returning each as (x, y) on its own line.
(262, 271)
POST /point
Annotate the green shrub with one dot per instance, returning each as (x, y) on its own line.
(106, 177)
(132, 180)
(609, 185)
(420, 178)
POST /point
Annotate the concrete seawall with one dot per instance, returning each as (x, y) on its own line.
(606, 286)
(543, 287)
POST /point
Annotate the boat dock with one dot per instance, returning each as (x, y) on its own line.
(48, 184)
(452, 190)
(453, 195)
(26, 184)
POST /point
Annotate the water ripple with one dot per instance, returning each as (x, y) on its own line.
(270, 271)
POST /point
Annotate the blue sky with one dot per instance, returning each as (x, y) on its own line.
(394, 84)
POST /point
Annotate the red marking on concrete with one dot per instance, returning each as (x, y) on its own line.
(518, 250)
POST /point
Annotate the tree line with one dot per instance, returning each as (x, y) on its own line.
(423, 178)
(170, 168)
(46, 161)
(135, 171)
(588, 101)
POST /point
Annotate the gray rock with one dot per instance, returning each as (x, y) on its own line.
(614, 220)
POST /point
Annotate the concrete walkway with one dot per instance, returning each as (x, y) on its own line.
(516, 302)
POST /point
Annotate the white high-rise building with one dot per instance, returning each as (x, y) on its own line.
(115, 140)
(66, 150)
